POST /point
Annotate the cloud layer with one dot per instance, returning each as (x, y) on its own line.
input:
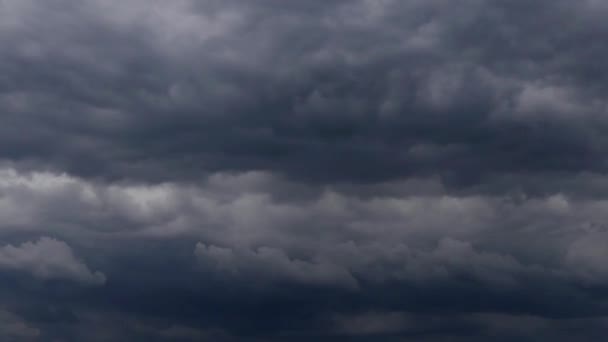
(264, 170)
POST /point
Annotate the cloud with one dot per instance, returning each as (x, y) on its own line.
(274, 263)
(371, 323)
(588, 258)
(48, 258)
(165, 91)
(14, 328)
(311, 170)
(250, 224)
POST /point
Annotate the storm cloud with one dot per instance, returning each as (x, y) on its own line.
(265, 170)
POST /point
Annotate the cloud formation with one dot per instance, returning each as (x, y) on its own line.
(13, 328)
(48, 258)
(351, 170)
(163, 91)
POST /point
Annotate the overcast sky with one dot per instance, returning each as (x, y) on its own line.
(303, 170)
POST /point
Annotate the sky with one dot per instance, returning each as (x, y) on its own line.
(285, 170)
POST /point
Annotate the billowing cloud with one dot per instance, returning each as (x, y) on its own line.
(267, 170)
(132, 90)
(48, 258)
(261, 233)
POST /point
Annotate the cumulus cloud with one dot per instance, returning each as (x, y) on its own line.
(325, 236)
(48, 258)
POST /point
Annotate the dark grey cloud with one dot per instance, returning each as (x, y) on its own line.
(237, 258)
(390, 89)
(351, 170)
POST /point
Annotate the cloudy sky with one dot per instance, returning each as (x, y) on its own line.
(303, 170)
